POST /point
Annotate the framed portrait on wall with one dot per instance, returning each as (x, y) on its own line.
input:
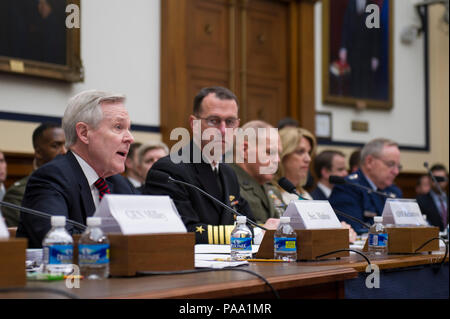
(36, 39)
(357, 53)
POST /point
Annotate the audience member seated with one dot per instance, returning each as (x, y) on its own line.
(48, 142)
(354, 160)
(263, 197)
(423, 185)
(326, 164)
(287, 122)
(97, 129)
(149, 154)
(132, 167)
(380, 165)
(434, 204)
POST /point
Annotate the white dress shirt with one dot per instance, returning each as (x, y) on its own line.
(91, 177)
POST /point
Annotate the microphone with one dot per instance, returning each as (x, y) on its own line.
(290, 188)
(41, 214)
(436, 179)
(340, 180)
(162, 177)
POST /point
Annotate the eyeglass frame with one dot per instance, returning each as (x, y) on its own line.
(390, 164)
(209, 118)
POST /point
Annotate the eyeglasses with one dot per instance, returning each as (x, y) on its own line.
(215, 121)
(391, 164)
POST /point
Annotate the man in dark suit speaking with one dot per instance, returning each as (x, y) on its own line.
(214, 108)
(97, 129)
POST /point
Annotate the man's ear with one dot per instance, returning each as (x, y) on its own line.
(38, 153)
(245, 148)
(369, 161)
(325, 173)
(191, 121)
(82, 132)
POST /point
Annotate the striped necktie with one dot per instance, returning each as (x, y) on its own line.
(443, 211)
(102, 187)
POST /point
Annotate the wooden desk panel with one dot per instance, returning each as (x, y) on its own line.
(290, 280)
(392, 261)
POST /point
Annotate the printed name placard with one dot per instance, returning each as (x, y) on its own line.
(139, 214)
(312, 214)
(402, 212)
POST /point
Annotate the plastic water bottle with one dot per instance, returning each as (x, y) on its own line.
(58, 248)
(378, 238)
(93, 251)
(285, 241)
(241, 240)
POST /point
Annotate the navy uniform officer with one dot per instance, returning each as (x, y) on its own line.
(215, 108)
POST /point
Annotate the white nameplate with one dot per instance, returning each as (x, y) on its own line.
(402, 212)
(312, 214)
(4, 233)
(139, 214)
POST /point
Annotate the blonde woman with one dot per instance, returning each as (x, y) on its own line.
(298, 146)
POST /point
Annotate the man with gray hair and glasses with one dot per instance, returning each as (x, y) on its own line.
(380, 165)
(97, 129)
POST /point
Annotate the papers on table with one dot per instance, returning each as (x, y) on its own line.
(217, 256)
(218, 249)
(217, 261)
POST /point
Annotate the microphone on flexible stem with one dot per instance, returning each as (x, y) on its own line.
(436, 179)
(41, 214)
(340, 180)
(290, 188)
(162, 177)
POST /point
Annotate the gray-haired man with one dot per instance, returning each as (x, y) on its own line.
(97, 129)
(380, 164)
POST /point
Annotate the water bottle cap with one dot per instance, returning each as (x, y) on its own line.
(58, 221)
(378, 219)
(241, 219)
(285, 220)
(93, 221)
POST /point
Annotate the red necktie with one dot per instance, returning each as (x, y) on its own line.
(102, 187)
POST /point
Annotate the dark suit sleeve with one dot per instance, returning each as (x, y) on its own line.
(47, 195)
(350, 201)
(428, 208)
(178, 193)
(185, 201)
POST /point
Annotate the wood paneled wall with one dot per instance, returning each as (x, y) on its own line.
(19, 166)
(263, 50)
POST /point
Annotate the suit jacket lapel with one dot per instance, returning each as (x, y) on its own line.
(207, 179)
(85, 191)
(376, 200)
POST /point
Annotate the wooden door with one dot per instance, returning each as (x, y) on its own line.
(253, 47)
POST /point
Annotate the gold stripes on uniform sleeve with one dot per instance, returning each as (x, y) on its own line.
(210, 234)
(219, 235)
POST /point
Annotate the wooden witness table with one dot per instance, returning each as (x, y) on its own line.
(330, 278)
(406, 276)
(392, 261)
(290, 280)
